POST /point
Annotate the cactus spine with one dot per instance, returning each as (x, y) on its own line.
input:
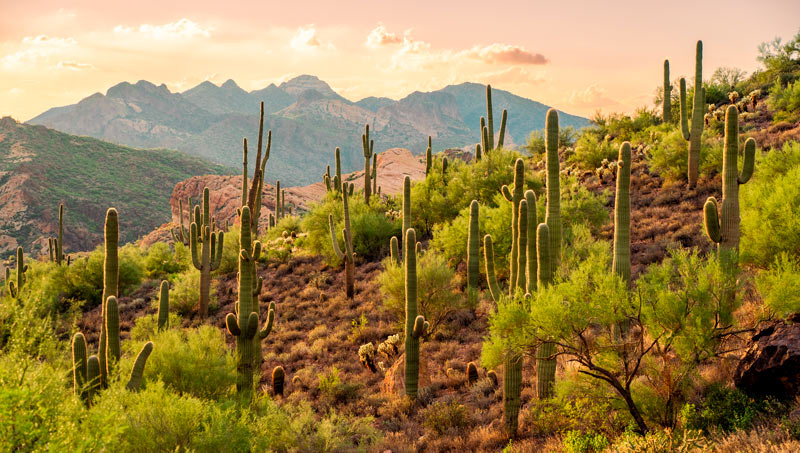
(110, 285)
(622, 216)
(724, 231)
(667, 101)
(367, 145)
(546, 363)
(416, 326)
(244, 324)
(210, 253)
(15, 287)
(698, 107)
(163, 306)
(428, 157)
(473, 249)
(347, 255)
(553, 214)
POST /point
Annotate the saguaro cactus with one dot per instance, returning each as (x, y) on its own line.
(244, 323)
(180, 234)
(112, 351)
(546, 363)
(252, 198)
(79, 367)
(444, 170)
(532, 258)
(347, 255)
(367, 145)
(473, 249)
(667, 102)
(487, 138)
(622, 215)
(210, 253)
(428, 157)
(15, 287)
(56, 245)
(724, 231)
(375, 174)
(514, 198)
(163, 306)
(512, 390)
(694, 135)
(337, 177)
(137, 372)
(278, 378)
(416, 326)
(553, 214)
(472, 373)
(110, 285)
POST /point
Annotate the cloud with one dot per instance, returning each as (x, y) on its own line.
(34, 49)
(16, 91)
(511, 76)
(379, 36)
(182, 29)
(306, 39)
(504, 53)
(74, 65)
(592, 96)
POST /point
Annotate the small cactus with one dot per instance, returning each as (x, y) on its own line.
(472, 373)
(80, 367)
(366, 355)
(56, 245)
(428, 158)
(15, 285)
(622, 216)
(112, 351)
(163, 306)
(278, 378)
(181, 234)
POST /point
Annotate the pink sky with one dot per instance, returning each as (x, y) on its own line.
(578, 56)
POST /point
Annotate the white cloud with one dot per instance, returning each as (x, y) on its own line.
(306, 39)
(379, 36)
(504, 53)
(34, 49)
(182, 29)
(593, 96)
(74, 65)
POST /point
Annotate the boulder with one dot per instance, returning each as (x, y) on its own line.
(771, 365)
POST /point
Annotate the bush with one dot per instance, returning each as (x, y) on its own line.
(196, 362)
(724, 408)
(590, 151)
(771, 207)
(579, 206)
(446, 416)
(160, 262)
(230, 253)
(785, 101)
(332, 388)
(778, 286)
(185, 293)
(578, 442)
(146, 327)
(668, 154)
(536, 145)
(436, 284)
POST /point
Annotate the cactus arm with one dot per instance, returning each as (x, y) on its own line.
(684, 111)
(491, 278)
(711, 220)
(477, 153)
(667, 96)
(93, 377)
(522, 246)
(79, 365)
(473, 247)
(252, 325)
(489, 118)
(193, 247)
(163, 306)
(216, 253)
(532, 258)
(137, 372)
(112, 334)
(334, 242)
(232, 325)
(501, 137)
(394, 250)
(507, 193)
(749, 161)
(244, 172)
(270, 320)
(420, 327)
(485, 139)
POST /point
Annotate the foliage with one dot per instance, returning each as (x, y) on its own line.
(577, 442)
(195, 362)
(724, 408)
(185, 292)
(331, 387)
(667, 154)
(435, 291)
(591, 150)
(444, 416)
(771, 207)
(778, 286)
(160, 262)
(536, 145)
(146, 327)
(785, 101)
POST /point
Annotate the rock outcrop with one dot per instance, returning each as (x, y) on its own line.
(771, 365)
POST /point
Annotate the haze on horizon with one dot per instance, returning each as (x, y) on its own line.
(578, 56)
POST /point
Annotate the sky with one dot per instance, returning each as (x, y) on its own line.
(577, 56)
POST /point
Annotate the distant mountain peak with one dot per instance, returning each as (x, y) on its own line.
(297, 85)
(230, 84)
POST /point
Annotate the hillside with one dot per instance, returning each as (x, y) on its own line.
(42, 167)
(309, 119)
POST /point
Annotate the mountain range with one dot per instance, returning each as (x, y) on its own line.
(308, 119)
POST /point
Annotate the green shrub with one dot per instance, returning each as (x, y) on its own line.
(771, 207)
(785, 101)
(535, 143)
(193, 361)
(445, 416)
(333, 389)
(580, 206)
(578, 442)
(724, 408)
(185, 292)
(160, 262)
(668, 151)
(146, 327)
(230, 253)
(435, 289)
(590, 151)
(778, 286)
(372, 232)
(290, 224)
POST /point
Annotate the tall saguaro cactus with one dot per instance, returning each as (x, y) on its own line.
(244, 324)
(15, 285)
(622, 215)
(553, 213)
(180, 234)
(473, 249)
(347, 255)
(667, 101)
(110, 285)
(487, 127)
(210, 254)
(337, 176)
(252, 198)
(56, 245)
(514, 198)
(724, 230)
(546, 363)
(532, 258)
(367, 145)
(695, 134)
(416, 326)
